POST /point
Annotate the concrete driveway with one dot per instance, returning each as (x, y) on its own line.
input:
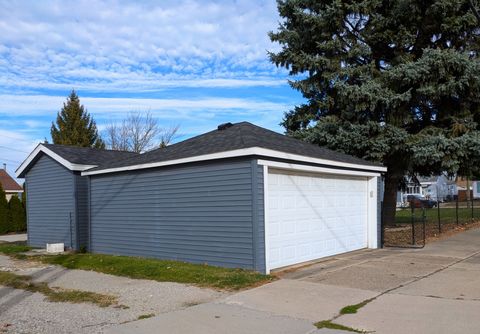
(430, 290)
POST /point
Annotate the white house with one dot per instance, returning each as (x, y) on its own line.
(476, 189)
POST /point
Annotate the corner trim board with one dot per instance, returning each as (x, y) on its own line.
(265, 218)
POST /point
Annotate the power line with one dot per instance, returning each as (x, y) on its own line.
(9, 160)
(18, 139)
(12, 149)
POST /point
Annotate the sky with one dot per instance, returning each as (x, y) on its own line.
(193, 63)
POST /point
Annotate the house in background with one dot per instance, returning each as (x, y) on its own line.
(464, 185)
(476, 189)
(437, 188)
(238, 196)
(9, 185)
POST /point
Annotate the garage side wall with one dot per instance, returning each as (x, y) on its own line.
(259, 217)
(51, 206)
(81, 199)
(199, 213)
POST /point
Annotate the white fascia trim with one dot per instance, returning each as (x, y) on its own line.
(39, 149)
(372, 211)
(13, 191)
(314, 169)
(238, 153)
(265, 218)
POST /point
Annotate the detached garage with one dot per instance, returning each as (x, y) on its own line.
(238, 196)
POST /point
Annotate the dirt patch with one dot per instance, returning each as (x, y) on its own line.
(404, 236)
(25, 306)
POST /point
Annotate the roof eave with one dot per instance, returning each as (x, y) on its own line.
(253, 151)
(26, 164)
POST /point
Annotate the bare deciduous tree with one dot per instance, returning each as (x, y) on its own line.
(139, 132)
(167, 135)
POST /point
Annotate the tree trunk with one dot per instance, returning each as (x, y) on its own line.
(392, 180)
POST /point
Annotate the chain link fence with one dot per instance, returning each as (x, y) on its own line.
(422, 220)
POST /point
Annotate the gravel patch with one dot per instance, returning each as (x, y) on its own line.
(26, 312)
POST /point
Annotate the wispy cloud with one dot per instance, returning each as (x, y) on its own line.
(119, 46)
(39, 105)
(190, 62)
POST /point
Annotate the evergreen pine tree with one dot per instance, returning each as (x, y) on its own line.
(74, 126)
(3, 212)
(24, 202)
(16, 215)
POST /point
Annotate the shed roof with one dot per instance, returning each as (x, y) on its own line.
(73, 157)
(88, 155)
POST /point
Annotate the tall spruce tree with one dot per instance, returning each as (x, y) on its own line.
(3, 212)
(397, 82)
(74, 126)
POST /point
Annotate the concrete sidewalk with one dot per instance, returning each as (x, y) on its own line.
(13, 237)
(430, 290)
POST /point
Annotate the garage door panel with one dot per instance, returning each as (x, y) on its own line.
(313, 216)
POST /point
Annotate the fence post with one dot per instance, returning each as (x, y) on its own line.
(456, 210)
(472, 205)
(424, 219)
(413, 222)
(382, 226)
(438, 217)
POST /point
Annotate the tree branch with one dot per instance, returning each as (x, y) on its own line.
(474, 10)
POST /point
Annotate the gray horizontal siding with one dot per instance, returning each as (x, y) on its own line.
(198, 213)
(81, 183)
(260, 220)
(50, 198)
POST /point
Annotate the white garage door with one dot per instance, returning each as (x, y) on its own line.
(312, 216)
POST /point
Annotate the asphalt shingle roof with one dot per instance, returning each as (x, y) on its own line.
(238, 136)
(87, 155)
(7, 182)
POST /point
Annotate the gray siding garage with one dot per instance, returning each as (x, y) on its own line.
(240, 196)
(202, 214)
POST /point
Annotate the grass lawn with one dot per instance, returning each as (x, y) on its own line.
(152, 269)
(404, 216)
(10, 248)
